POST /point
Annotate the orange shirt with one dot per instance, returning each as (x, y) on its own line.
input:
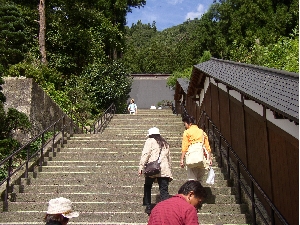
(193, 135)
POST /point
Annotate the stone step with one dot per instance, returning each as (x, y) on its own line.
(107, 163)
(131, 135)
(132, 181)
(109, 150)
(107, 142)
(107, 197)
(79, 156)
(111, 217)
(116, 189)
(174, 147)
(139, 119)
(103, 175)
(118, 170)
(115, 206)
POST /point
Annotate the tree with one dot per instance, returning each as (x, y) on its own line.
(42, 32)
(107, 83)
(12, 36)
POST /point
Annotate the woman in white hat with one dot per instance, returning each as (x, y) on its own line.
(156, 147)
(59, 211)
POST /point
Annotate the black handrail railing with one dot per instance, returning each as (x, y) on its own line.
(29, 156)
(103, 120)
(98, 126)
(226, 155)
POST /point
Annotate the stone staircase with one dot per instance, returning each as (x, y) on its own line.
(99, 173)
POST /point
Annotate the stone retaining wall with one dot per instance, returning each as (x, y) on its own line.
(26, 96)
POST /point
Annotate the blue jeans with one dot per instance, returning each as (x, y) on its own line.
(163, 183)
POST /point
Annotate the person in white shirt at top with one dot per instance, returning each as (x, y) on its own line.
(132, 108)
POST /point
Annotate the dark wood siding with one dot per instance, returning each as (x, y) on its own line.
(224, 114)
(215, 103)
(285, 172)
(237, 129)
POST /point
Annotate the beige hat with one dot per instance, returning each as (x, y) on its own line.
(61, 206)
(153, 130)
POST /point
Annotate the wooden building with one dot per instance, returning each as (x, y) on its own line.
(256, 111)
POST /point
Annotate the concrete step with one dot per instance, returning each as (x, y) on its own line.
(107, 142)
(119, 168)
(112, 217)
(116, 189)
(108, 197)
(120, 149)
(104, 175)
(119, 207)
(111, 155)
(62, 179)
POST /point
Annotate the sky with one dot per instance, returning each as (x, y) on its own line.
(168, 13)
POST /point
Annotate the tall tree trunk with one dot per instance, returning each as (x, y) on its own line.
(42, 32)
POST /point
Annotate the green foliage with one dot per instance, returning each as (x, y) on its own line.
(228, 27)
(81, 104)
(205, 57)
(11, 122)
(107, 84)
(283, 55)
(171, 81)
(48, 78)
(12, 35)
(186, 73)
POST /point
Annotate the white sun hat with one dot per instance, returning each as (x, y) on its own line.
(153, 130)
(61, 206)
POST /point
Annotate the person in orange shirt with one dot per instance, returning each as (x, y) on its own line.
(194, 136)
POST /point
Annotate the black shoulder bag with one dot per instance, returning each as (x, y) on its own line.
(152, 168)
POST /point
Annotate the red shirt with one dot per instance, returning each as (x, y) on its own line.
(174, 211)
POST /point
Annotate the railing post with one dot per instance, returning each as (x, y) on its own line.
(53, 138)
(63, 129)
(71, 125)
(221, 156)
(239, 182)
(228, 163)
(5, 205)
(253, 204)
(213, 133)
(42, 149)
(27, 162)
(272, 217)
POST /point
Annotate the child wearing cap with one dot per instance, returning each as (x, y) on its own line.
(59, 211)
(156, 147)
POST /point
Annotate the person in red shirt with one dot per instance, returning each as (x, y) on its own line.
(181, 209)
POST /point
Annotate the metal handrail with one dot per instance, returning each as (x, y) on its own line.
(241, 185)
(98, 126)
(103, 120)
(9, 159)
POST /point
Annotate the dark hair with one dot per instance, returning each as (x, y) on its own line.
(160, 140)
(188, 120)
(195, 186)
(55, 217)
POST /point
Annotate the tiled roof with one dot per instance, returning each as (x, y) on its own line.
(184, 83)
(276, 89)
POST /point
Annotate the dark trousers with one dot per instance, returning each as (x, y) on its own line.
(163, 183)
